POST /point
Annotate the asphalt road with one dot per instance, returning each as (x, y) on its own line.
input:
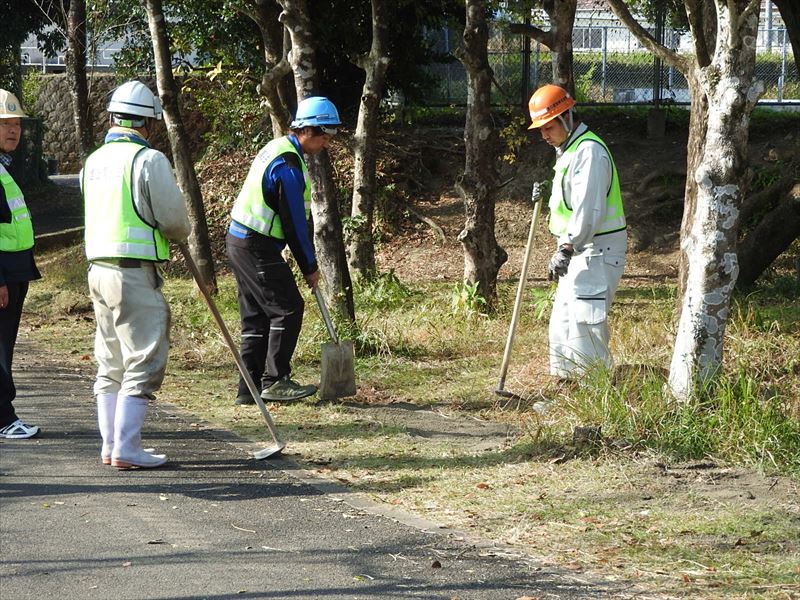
(56, 207)
(213, 523)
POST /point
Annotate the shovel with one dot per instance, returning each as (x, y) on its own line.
(536, 198)
(277, 445)
(338, 377)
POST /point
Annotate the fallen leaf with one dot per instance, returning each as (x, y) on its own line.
(483, 486)
(436, 565)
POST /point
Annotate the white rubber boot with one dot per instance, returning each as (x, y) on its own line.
(106, 409)
(128, 451)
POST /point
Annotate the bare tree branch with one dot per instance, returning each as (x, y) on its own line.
(540, 35)
(668, 56)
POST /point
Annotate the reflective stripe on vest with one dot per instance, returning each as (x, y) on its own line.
(114, 229)
(560, 212)
(250, 208)
(18, 234)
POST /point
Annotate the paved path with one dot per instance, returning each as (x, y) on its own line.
(213, 523)
(57, 208)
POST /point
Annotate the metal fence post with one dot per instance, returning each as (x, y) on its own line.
(605, 60)
(526, 65)
(782, 78)
(536, 67)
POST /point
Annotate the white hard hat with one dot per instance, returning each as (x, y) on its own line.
(134, 98)
(10, 108)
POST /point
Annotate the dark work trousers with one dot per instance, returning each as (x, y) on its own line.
(9, 326)
(271, 310)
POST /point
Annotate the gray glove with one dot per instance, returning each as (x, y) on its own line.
(559, 263)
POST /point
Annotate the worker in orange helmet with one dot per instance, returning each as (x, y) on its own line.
(588, 222)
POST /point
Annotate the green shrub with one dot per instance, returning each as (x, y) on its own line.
(230, 102)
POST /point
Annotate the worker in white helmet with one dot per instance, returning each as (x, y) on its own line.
(588, 222)
(133, 208)
(17, 266)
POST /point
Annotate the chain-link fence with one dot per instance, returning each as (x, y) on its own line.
(609, 65)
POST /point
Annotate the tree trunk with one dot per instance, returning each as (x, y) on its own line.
(361, 246)
(562, 18)
(273, 87)
(483, 256)
(328, 239)
(199, 245)
(698, 126)
(710, 233)
(558, 39)
(790, 13)
(76, 76)
(773, 234)
(724, 92)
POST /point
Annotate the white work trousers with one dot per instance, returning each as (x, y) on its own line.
(579, 322)
(132, 337)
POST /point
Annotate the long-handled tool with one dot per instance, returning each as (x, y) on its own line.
(338, 376)
(278, 445)
(536, 198)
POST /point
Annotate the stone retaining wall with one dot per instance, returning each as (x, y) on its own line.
(54, 107)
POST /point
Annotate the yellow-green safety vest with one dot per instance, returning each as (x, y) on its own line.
(560, 212)
(18, 234)
(114, 229)
(250, 208)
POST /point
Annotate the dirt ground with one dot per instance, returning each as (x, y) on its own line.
(652, 175)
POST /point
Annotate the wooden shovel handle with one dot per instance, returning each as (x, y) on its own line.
(326, 316)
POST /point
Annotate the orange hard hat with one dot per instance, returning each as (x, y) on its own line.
(547, 103)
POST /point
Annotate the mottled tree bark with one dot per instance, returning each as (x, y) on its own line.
(328, 238)
(483, 256)
(361, 247)
(76, 76)
(722, 86)
(199, 244)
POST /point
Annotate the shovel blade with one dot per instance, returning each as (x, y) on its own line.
(338, 377)
(273, 450)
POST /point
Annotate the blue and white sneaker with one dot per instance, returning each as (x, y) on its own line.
(18, 430)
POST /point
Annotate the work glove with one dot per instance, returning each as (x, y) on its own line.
(559, 263)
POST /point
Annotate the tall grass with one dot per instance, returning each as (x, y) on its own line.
(736, 419)
(428, 343)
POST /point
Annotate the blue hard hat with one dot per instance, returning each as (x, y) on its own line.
(315, 111)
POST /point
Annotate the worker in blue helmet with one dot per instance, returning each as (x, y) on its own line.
(271, 212)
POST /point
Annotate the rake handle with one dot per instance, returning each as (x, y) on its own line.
(251, 385)
(537, 207)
